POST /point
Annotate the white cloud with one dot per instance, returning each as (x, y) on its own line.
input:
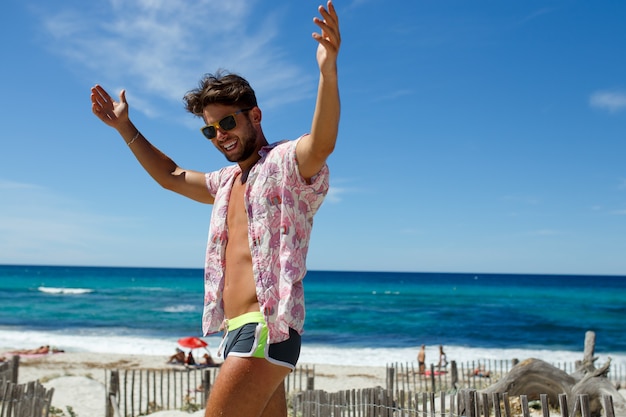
(334, 194)
(339, 187)
(159, 49)
(612, 101)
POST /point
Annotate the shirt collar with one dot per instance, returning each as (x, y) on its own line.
(267, 148)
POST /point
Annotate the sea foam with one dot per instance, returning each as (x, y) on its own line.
(61, 290)
(11, 339)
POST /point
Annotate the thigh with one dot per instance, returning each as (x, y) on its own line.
(277, 405)
(246, 387)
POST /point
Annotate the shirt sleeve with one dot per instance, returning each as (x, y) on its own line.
(213, 180)
(314, 189)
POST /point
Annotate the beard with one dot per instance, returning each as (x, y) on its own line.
(249, 142)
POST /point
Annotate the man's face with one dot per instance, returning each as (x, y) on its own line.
(237, 143)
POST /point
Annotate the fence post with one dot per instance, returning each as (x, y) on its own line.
(563, 405)
(507, 404)
(15, 365)
(485, 404)
(524, 401)
(112, 393)
(132, 394)
(576, 408)
(454, 375)
(607, 403)
(545, 409)
(48, 403)
(470, 405)
(452, 410)
(584, 405)
(206, 386)
(495, 397)
(390, 374)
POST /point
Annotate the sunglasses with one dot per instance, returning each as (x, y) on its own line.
(227, 123)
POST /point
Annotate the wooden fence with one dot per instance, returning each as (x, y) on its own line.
(139, 392)
(301, 379)
(475, 374)
(379, 402)
(471, 374)
(133, 393)
(24, 400)
(9, 370)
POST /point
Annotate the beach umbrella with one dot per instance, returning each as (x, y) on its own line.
(192, 342)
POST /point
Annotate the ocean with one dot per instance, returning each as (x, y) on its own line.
(353, 318)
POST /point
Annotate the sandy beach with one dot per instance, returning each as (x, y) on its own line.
(79, 378)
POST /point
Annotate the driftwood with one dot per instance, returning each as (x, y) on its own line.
(596, 384)
(534, 377)
(587, 365)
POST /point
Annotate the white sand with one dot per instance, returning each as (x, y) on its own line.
(78, 378)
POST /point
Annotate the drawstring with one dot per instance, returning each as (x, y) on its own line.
(220, 349)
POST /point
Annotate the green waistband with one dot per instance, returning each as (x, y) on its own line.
(252, 317)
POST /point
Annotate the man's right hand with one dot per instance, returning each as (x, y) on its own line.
(111, 112)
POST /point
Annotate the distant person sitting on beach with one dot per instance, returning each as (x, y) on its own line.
(208, 360)
(443, 360)
(178, 357)
(479, 371)
(421, 360)
(190, 360)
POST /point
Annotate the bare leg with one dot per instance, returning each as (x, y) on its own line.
(277, 405)
(248, 387)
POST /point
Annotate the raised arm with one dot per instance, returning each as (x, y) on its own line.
(160, 167)
(314, 149)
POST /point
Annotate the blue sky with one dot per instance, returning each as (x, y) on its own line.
(476, 136)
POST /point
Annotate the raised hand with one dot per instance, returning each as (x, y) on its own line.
(111, 112)
(329, 39)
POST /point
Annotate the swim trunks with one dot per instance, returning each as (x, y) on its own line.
(246, 337)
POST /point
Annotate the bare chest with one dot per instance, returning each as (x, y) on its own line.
(237, 217)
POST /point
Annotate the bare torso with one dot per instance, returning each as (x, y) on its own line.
(239, 286)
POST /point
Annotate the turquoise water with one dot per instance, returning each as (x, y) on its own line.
(494, 311)
(391, 312)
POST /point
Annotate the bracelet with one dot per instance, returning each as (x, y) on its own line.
(133, 139)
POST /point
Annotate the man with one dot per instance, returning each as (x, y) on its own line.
(421, 360)
(260, 223)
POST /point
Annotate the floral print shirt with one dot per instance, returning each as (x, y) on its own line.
(280, 204)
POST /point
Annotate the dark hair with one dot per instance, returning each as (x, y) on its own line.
(220, 88)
